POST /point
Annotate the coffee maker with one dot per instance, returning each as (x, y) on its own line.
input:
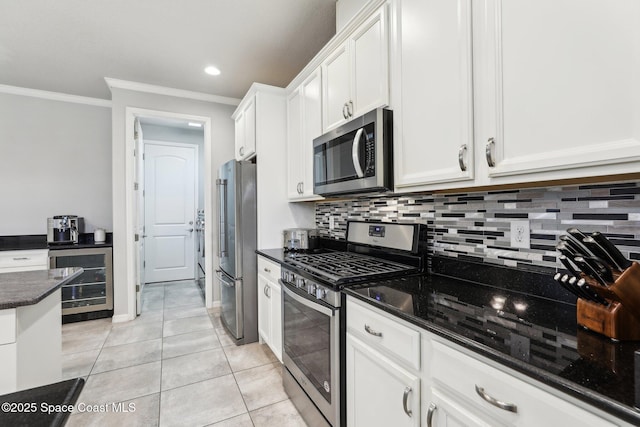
(63, 229)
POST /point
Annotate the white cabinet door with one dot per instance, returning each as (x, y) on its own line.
(311, 90)
(355, 77)
(434, 116)
(239, 134)
(560, 85)
(304, 123)
(295, 166)
(276, 320)
(379, 392)
(370, 64)
(264, 309)
(246, 131)
(336, 87)
(444, 411)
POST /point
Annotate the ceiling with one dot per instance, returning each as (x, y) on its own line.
(69, 46)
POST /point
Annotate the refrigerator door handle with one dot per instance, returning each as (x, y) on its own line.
(223, 280)
(221, 185)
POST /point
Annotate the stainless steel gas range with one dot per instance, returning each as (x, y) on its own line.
(314, 321)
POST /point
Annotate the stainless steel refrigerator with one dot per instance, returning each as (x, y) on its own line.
(237, 230)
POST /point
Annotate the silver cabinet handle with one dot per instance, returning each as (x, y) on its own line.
(461, 153)
(22, 258)
(267, 270)
(350, 108)
(301, 187)
(430, 412)
(264, 291)
(355, 153)
(372, 332)
(489, 152)
(495, 402)
(345, 111)
(405, 398)
(241, 151)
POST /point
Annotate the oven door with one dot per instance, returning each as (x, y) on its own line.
(311, 349)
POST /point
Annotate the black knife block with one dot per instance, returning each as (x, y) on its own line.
(620, 320)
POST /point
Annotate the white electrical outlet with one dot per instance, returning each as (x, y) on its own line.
(332, 223)
(520, 231)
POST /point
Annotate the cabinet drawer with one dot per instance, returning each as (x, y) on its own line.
(268, 269)
(468, 378)
(384, 333)
(29, 260)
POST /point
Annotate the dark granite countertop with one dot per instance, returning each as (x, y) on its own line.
(490, 321)
(39, 241)
(30, 287)
(488, 309)
(48, 405)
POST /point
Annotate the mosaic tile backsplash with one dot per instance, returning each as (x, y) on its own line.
(477, 226)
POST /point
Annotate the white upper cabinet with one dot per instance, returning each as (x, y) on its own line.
(304, 123)
(355, 76)
(246, 129)
(560, 85)
(433, 79)
(514, 91)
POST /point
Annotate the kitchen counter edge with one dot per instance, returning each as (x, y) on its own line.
(29, 285)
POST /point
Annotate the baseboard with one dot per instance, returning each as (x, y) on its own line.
(119, 318)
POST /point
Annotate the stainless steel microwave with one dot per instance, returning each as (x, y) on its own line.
(356, 157)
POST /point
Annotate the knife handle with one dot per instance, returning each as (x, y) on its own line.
(599, 251)
(569, 266)
(614, 252)
(584, 286)
(589, 270)
(600, 265)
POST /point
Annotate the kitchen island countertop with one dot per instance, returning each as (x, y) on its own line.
(30, 287)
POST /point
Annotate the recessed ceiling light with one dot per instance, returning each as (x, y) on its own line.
(212, 70)
(195, 125)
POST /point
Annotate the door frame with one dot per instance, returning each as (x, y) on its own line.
(131, 113)
(196, 150)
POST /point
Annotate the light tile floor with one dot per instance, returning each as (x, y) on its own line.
(176, 365)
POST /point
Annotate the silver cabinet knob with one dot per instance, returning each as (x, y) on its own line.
(241, 151)
(345, 111)
(350, 108)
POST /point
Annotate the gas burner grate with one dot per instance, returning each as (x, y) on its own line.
(341, 267)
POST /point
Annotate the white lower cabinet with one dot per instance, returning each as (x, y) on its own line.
(379, 392)
(24, 260)
(445, 411)
(450, 387)
(270, 305)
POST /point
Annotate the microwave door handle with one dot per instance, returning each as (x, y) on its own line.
(355, 153)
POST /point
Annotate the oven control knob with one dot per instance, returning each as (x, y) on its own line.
(300, 283)
(321, 293)
(311, 289)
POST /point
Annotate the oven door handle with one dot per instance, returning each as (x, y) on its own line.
(355, 153)
(304, 301)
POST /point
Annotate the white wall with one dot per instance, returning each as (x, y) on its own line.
(152, 132)
(55, 158)
(222, 137)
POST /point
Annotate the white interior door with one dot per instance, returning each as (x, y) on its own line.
(139, 195)
(170, 209)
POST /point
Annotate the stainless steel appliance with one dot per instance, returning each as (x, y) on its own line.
(200, 271)
(356, 157)
(92, 291)
(299, 239)
(237, 229)
(313, 314)
(64, 229)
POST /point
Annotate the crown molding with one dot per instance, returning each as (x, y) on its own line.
(161, 90)
(55, 96)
